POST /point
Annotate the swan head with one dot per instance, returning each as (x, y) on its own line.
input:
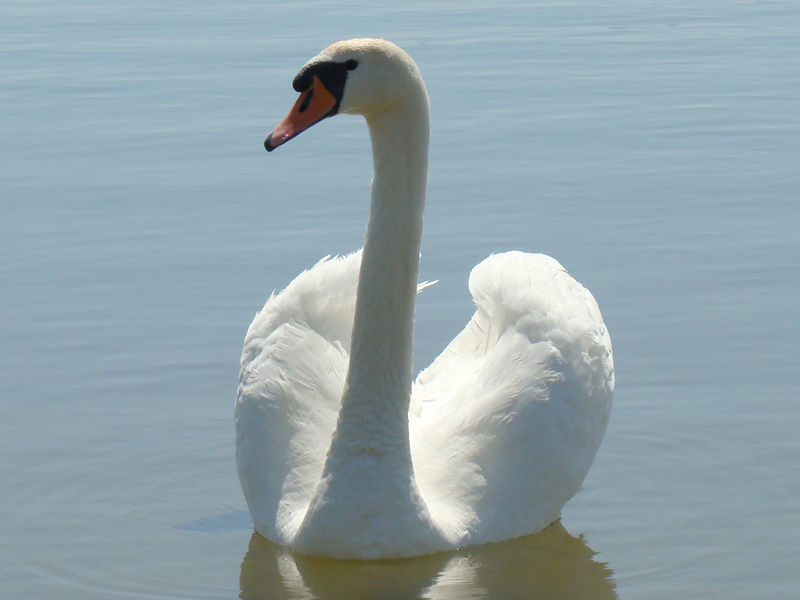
(361, 76)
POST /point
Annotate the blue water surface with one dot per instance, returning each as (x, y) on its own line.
(651, 147)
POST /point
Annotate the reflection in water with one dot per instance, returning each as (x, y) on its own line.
(551, 564)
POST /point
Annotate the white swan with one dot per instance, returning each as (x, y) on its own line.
(338, 453)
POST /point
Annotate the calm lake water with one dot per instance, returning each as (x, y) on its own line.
(652, 147)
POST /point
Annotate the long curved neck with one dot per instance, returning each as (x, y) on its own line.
(374, 414)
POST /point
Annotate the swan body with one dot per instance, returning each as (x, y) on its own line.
(339, 451)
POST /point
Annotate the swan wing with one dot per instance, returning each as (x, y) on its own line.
(293, 367)
(292, 372)
(509, 417)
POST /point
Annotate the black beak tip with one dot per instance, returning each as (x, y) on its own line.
(268, 144)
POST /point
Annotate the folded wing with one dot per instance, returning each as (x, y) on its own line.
(509, 417)
(292, 372)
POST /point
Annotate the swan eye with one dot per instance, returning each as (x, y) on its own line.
(332, 74)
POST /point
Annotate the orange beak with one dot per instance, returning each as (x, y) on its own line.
(311, 107)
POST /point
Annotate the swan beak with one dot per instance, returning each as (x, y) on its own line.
(313, 105)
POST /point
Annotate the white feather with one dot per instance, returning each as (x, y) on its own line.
(346, 458)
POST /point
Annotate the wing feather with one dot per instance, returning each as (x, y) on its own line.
(294, 362)
(510, 415)
(292, 372)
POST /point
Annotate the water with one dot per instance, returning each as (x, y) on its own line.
(652, 148)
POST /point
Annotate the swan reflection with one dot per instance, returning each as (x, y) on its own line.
(551, 564)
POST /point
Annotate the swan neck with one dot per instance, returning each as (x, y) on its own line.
(374, 414)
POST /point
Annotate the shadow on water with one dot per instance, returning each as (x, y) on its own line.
(551, 564)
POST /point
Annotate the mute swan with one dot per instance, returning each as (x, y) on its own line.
(338, 453)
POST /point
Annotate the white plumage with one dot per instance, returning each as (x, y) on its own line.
(344, 457)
